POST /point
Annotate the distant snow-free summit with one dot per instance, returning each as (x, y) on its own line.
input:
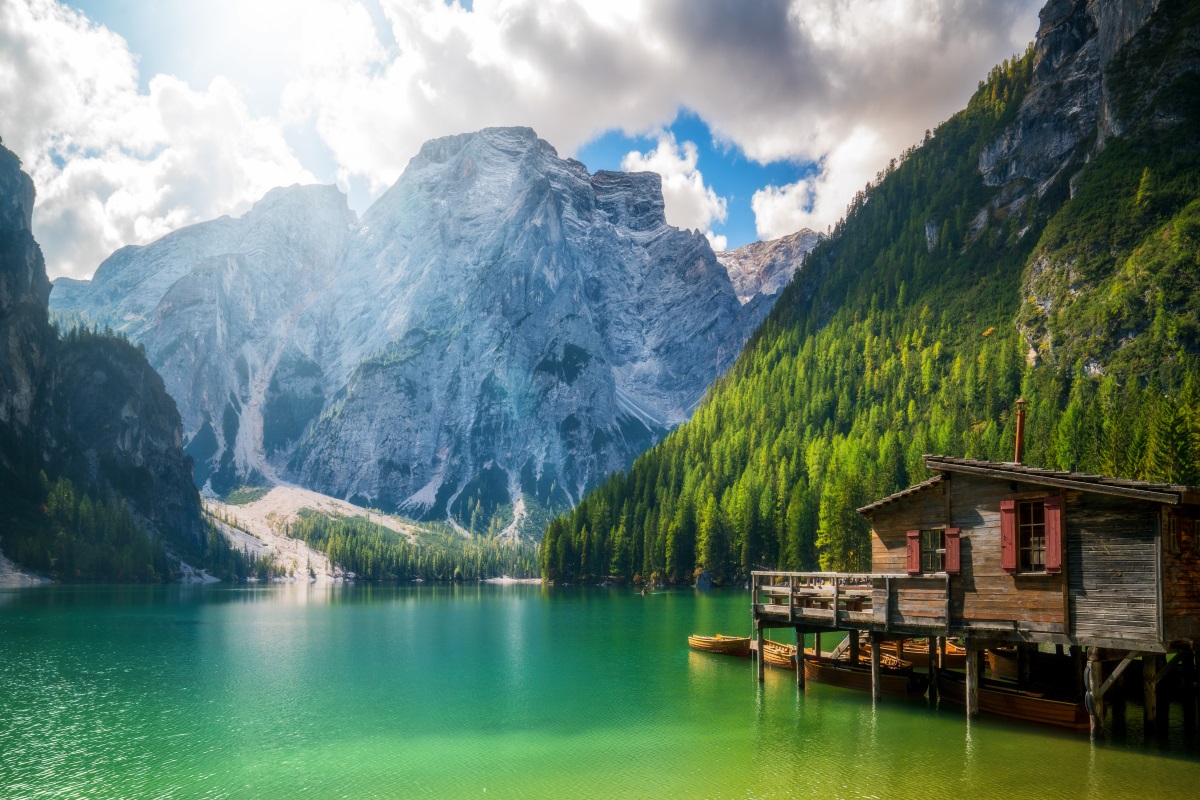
(499, 331)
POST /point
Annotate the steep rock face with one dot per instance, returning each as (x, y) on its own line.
(764, 268)
(1068, 102)
(24, 289)
(89, 407)
(500, 327)
(537, 328)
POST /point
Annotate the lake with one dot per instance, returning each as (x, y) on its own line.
(483, 691)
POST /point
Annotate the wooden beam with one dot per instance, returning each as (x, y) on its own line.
(1151, 664)
(1062, 483)
(1094, 699)
(852, 636)
(1116, 673)
(972, 680)
(799, 659)
(760, 665)
(876, 672)
(933, 667)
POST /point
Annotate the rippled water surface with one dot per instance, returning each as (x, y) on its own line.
(482, 691)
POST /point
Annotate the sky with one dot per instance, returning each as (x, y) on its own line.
(137, 117)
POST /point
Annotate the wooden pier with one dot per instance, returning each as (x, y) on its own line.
(1098, 573)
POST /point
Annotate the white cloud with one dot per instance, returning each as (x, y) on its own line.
(689, 203)
(114, 165)
(844, 83)
(820, 200)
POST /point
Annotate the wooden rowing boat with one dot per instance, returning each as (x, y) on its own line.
(917, 651)
(721, 645)
(1009, 701)
(841, 673)
(1003, 663)
(778, 654)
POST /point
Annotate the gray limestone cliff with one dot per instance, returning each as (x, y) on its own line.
(498, 332)
(1068, 106)
(86, 407)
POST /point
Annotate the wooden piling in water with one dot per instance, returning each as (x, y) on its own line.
(973, 668)
(876, 673)
(1095, 680)
(799, 658)
(758, 654)
(933, 667)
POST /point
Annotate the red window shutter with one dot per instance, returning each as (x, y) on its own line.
(1008, 535)
(953, 560)
(1054, 528)
(914, 552)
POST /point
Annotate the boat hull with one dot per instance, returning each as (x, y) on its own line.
(1014, 704)
(780, 656)
(737, 646)
(918, 654)
(845, 676)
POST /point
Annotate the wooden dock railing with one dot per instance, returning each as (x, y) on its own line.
(859, 600)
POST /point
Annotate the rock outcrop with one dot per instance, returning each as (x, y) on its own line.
(1068, 105)
(762, 269)
(501, 330)
(87, 407)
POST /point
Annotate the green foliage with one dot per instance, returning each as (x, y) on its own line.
(75, 537)
(373, 552)
(245, 495)
(893, 343)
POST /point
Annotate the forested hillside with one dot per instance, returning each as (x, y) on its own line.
(937, 302)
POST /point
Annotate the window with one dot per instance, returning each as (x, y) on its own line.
(1031, 532)
(933, 548)
(1171, 533)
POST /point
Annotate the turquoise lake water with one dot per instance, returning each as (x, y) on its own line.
(483, 691)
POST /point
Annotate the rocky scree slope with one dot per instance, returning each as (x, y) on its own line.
(499, 331)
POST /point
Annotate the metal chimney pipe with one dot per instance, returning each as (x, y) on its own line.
(1020, 449)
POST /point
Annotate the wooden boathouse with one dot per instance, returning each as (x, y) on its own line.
(1007, 557)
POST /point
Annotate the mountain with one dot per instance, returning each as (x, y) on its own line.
(1044, 242)
(760, 270)
(500, 331)
(94, 484)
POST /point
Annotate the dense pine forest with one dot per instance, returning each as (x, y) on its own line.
(917, 323)
(373, 552)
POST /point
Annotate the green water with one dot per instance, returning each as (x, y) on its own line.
(481, 691)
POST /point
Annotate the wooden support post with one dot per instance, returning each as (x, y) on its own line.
(933, 667)
(853, 646)
(1080, 670)
(1187, 675)
(1025, 656)
(1152, 664)
(973, 659)
(900, 649)
(1095, 695)
(761, 665)
(876, 673)
(799, 659)
(942, 652)
(817, 646)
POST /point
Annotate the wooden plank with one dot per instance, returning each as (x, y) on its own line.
(876, 673)
(1062, 483)
(972, 681)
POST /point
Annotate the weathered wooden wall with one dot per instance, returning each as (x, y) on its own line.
(1112, 566)
(984, 592)
(924, 510)
(1181, 579)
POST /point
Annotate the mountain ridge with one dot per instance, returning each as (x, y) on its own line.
(497, 332)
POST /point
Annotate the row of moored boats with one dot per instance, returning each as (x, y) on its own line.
(899, 675)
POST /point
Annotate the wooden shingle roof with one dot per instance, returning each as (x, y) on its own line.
(891, 498)
(1124, 487)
